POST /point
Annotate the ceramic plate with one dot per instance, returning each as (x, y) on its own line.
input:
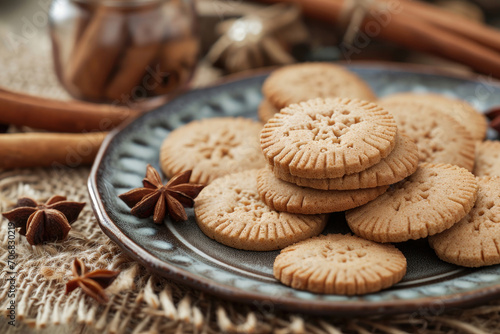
(181, 252)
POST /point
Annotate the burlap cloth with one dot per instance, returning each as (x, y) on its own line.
(141, 302)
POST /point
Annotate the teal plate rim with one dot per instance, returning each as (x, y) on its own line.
(472, 287)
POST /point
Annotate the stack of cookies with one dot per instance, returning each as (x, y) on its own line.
(327, 155)
(336, 154)
(333, 154)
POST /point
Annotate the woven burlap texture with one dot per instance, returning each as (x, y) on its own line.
(141, 302)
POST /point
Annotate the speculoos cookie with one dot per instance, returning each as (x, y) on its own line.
(231, 211)
(212, 148)
(288, 197)
(461, 111)
(340, 264)
(301, 82)
(440, 139)
(430, 201)
(328, 138)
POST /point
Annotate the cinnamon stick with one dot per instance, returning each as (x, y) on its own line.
(455, 23)
(60, 116)
(96, 54)
(64, 47)
(146, 33)
(423, 34)
(412, 33)
(21, 150)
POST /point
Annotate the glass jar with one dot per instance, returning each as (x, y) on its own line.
(123, 51)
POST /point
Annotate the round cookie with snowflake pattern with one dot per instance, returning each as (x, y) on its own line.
(430, 201)
(461, 111)
(328, 138)
(301, 82)
(339, 264)
(230, 211)
(439, 137)
(212, 148)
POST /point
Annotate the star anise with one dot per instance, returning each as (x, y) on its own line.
(92, 283)
(46, 222)
(157, 199)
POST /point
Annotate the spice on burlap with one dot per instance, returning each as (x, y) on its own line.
(50, 221)
(92, 283)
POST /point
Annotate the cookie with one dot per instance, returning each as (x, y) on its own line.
(230, 211)
(475, 240)
(462, 112)
(339, 264)
(430, 201)
(301, 82)
(212, 148)
(328, 138)
(400, 163)
(440, 139)
(487, 158)
(288, 197)
(266, 111)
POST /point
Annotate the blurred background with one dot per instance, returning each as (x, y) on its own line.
(321, 44)
(101, 55)
(323, 36)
